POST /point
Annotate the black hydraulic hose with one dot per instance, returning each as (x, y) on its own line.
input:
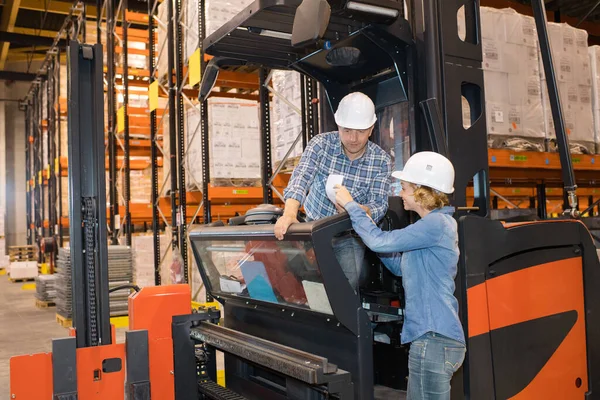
(121, 287)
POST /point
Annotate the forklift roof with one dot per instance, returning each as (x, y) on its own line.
(361, 49)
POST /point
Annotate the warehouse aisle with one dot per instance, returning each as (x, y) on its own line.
(23, 328)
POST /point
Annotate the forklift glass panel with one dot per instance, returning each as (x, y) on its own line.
(247, 262)
(282, 272)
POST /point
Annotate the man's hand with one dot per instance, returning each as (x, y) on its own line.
(282, 225)
(342, 195)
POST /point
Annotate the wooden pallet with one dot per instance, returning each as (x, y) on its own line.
(22, 257)
(21, 280)
(64, 322)
(44, 304)
(22, 253)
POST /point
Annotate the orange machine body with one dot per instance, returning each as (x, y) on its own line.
(152, 309)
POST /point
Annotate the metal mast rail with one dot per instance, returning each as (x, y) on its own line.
(87, 208)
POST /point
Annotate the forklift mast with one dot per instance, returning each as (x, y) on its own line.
(87, 200)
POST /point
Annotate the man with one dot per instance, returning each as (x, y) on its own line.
(366, 169)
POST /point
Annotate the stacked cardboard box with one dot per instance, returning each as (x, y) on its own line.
(286, 122)
(514, 111)
(234, 131)
(234, 139)
(143, 259)
(217, 13)
(594, 52)
(574, 77)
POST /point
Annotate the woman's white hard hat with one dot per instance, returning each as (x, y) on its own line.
(430, 169)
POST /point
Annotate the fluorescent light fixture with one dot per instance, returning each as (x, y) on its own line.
(276, 34)
(371, 9)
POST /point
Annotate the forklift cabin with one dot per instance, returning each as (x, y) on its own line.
(524, 303)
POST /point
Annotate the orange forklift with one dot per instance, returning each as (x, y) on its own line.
(290, 326)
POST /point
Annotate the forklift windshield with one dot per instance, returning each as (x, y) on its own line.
(247, 262)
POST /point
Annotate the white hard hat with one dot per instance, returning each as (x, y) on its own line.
(428, 169)
(356, 111)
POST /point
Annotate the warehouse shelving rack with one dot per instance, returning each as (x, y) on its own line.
(186, 207)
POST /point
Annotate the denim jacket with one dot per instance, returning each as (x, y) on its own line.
(425, 254)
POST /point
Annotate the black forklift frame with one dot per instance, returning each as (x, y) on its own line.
(89, 253)
(453, 70)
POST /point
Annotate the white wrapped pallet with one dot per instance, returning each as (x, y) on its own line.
(193, 151)
(234, 132)
(23, 270)
(514, 110)
(574, 76)
(286, 123)
(161, 48)
(594, 53)
(143, 259)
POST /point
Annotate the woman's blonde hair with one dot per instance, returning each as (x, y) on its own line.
(429, 198)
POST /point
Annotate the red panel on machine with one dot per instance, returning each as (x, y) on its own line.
(153, 308)
(31, 376)
(92, 382)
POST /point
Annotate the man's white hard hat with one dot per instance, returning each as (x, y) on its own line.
(430, 169)
(356, 111)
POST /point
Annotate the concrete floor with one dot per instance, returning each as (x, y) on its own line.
(24, 329)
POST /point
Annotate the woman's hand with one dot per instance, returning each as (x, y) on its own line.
(342, 195)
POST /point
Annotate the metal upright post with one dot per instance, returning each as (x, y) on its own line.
(541, 201)
(305, 106)
(29, 188)
(181, 140)
(59, 153)
(126, 155)
(265, 128)
(99, 21)
(112, 121)
(205, 144)
(154, 151)
(41, 165)
(312, 120)
(172, 123)
(51, 153)
(35, 166)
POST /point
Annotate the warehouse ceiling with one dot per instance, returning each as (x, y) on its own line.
(27, 27)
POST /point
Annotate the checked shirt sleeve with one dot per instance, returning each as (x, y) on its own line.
(379, 190)
(304, 173)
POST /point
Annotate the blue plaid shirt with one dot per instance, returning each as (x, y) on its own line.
(367, 178)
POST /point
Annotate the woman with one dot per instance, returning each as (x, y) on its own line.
(425, 254)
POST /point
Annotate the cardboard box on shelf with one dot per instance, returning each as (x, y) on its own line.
(574, 76)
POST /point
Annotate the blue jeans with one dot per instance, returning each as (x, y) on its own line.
(350, 253)
(432, 360)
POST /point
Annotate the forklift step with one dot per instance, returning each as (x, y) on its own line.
(213, 391)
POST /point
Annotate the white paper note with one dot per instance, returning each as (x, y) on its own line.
(333, 180)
